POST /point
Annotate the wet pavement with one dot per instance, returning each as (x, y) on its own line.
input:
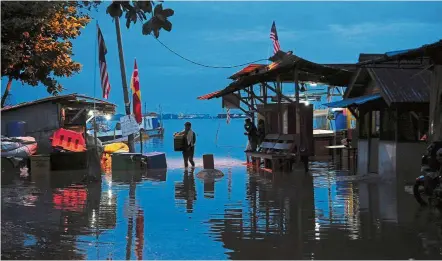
(243, 215)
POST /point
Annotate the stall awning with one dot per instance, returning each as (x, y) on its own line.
(353, 101)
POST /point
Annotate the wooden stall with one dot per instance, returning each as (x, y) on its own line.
(261, 90)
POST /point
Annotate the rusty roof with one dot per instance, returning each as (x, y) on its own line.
(402, 85)
(247, 70)
(74, 97)
(332, 74)
(209, 95)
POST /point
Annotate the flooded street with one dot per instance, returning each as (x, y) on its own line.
(243, 215)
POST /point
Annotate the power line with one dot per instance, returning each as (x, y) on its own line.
(204, 65)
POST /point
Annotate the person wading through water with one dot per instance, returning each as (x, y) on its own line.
(251, 133)
(189, 144)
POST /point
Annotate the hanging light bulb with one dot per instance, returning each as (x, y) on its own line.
(107, 116)
(302, 88)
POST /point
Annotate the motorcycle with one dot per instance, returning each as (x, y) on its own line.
(427, 188)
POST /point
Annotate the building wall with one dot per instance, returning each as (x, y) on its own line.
(363, 157)
(387, 159)
(374, 152)
(41, 121)
(408, 160)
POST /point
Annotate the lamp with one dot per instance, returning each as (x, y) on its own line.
(302, 88)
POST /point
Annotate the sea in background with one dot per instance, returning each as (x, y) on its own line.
(325, 214)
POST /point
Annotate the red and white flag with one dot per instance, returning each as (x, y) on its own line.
(228, 116)
(102, 50)
(274, 37)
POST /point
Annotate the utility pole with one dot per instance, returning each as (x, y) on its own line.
(130, 139)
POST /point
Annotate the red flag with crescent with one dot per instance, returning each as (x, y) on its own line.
(136, 94)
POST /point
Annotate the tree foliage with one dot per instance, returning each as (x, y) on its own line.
(36, 39)
(152, 15)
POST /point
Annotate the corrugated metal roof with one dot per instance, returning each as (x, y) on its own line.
(246, 70)
(403, 85)
(369, 56)
(68, 97)
(309, 71)
(208, 96)
(425, 50)
(353, 101)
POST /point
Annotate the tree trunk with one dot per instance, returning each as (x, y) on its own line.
(6, 93)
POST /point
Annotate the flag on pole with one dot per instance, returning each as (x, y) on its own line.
(136, 94)
(274, 37)
(228, 116)
(102, 50)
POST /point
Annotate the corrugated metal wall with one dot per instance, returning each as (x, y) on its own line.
(41, 121)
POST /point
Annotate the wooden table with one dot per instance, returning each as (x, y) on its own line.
(339, 148)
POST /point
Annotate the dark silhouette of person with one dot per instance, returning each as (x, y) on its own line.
(251, 133)
(189, 144)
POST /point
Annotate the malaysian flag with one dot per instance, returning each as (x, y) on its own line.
(274, 37)
(105, 86)
(228, 116)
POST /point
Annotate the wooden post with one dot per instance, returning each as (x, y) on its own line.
(278, 93)
(130, 139)
(297, 114)
(252, 102)
(435, 128)
(296, 77)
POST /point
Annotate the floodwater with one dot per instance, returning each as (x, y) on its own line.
(243, 215)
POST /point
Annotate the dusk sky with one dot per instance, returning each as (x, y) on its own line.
(230, 33)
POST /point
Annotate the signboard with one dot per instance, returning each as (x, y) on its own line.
(129, 125)
(231, 101)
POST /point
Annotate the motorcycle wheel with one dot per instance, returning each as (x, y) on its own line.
(419, 193)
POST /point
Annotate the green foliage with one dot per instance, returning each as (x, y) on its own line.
(36, 39)
(137, 11)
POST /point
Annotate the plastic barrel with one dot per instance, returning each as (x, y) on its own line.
(340, 120)
(16, 129)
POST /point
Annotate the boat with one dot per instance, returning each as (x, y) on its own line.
(109, 129)
(152, 125)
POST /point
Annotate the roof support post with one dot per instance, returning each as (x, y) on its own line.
(252, 103)
(296, 80)
(278, 95)
(435, 122)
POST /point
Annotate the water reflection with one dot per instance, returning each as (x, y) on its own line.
(185, 190)
(250, 215)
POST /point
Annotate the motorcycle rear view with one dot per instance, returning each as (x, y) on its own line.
(428, 186)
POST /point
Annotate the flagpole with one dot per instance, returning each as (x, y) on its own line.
(130, 139)
(95, 85)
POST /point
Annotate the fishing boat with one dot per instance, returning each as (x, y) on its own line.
(109, 129)
(152, 125)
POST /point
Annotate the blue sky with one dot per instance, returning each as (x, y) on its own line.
(229, 33)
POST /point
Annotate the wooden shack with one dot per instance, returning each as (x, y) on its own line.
(262, 89)
(392, 108)
(43, 117)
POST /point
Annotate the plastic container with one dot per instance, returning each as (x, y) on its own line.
(178, 142)
(340, 120)
(69, 140)
(16, 129)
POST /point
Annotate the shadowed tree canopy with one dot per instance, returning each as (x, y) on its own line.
(151, 13)
(36, 42)
(36, 36)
